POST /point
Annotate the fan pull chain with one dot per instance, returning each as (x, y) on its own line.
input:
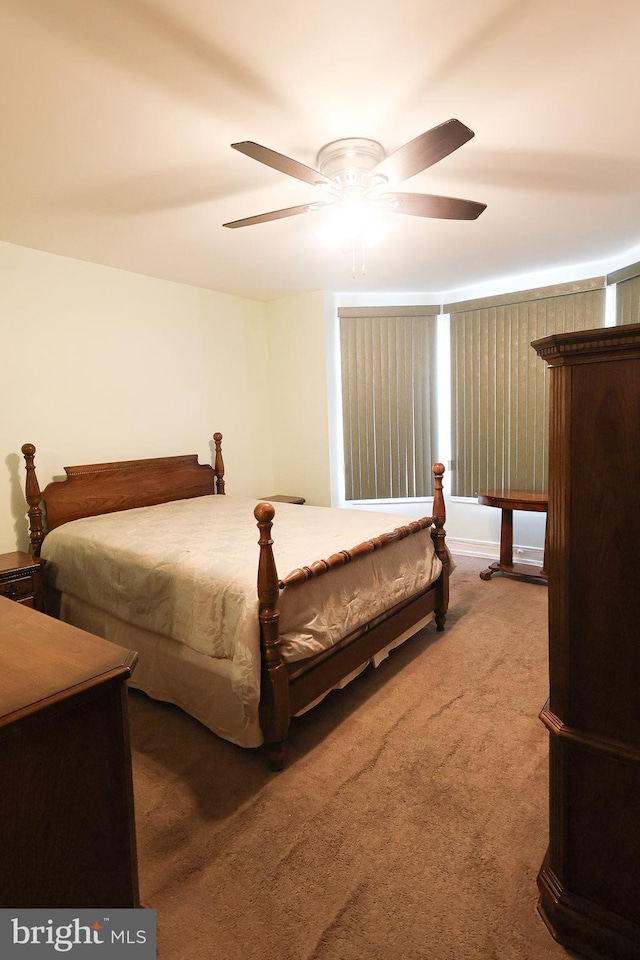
(363, 266)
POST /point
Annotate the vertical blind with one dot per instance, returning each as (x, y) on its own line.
(389, 384)
(499, 385)
(627, 283)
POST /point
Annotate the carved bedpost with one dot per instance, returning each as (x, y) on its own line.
(438, 537)
(274, 693)
(219, 464)
(32, 492)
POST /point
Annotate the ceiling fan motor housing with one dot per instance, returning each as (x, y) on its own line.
(349, 162)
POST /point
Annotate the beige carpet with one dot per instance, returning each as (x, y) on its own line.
(410, 822)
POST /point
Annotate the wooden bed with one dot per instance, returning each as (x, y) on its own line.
(285, 688)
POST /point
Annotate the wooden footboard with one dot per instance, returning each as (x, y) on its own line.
(289, 688)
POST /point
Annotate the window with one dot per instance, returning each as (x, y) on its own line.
(499, 404)
(389, 384)
(499, 393)
(627, 283)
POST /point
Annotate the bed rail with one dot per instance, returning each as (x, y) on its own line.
(319, 567)
(437, 521)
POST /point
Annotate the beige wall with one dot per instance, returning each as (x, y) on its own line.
(298, 397)
(100, 364)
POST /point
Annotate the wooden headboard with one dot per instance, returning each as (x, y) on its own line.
(98, 488)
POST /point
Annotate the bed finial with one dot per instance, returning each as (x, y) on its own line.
(274, 698)
(438, 536)
(33, 497)
(439, 511)
(218, 466)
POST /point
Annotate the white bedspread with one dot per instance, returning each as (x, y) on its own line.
(188, 570)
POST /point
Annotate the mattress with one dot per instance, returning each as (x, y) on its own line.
(186, 572)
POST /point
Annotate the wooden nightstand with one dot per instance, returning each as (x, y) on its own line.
(21, 579)
(283, 498)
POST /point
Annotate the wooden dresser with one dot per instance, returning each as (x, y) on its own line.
(67, 832)
(590, 880)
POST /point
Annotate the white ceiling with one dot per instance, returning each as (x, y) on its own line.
(117, 118)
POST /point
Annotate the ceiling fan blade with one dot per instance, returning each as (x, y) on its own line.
(430, 205)
(279, 162)
(276, 215)
(424, 151)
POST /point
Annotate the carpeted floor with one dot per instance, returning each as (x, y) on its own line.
(409, 823)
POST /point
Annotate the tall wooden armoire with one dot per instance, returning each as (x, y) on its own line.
(589, 882)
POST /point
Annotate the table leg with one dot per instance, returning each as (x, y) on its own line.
(506, 538)
(505, 563)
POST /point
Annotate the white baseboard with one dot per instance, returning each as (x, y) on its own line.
(491, 551)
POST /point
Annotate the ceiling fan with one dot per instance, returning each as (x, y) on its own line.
(357, 171)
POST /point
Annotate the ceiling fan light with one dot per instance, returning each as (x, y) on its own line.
(351, 222)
